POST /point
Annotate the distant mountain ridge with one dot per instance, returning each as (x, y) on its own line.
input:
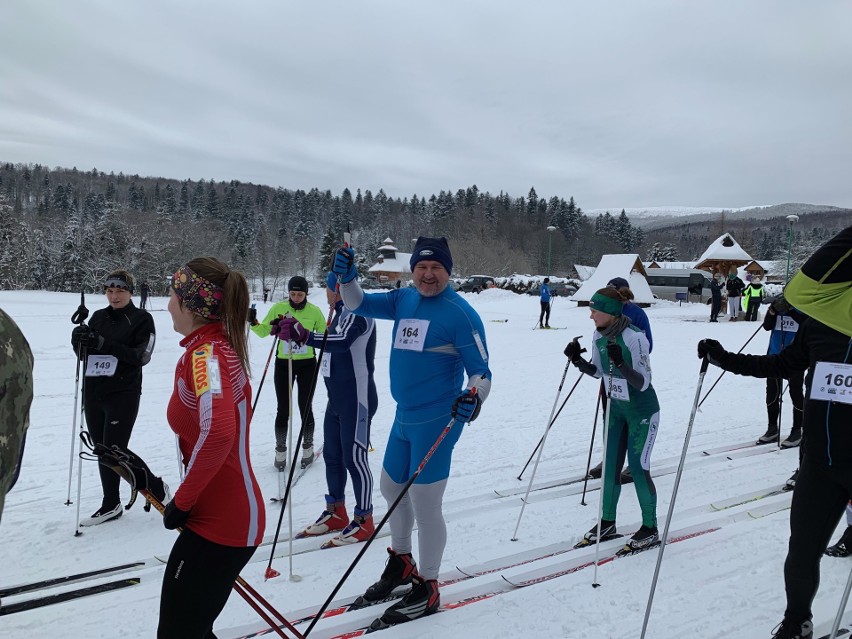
(654, 217)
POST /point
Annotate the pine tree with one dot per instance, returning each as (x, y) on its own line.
(330, 244)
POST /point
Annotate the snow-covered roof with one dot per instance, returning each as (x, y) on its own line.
(627, 266)
(399, 264)
(662, 264)
(584, 272)
(724, 248)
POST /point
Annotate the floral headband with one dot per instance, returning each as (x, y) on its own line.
(198, 294)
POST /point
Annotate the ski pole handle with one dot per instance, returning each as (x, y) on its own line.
(82, 312)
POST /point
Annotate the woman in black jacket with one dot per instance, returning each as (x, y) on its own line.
(118, 342)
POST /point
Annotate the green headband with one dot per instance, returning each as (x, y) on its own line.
(606, 305)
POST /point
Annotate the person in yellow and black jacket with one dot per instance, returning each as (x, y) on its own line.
(823, 346)
(304, 366)
(752, 297)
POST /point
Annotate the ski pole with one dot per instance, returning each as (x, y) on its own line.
(605, 437)
(270, 571)
(541, 448)
(592, 444)
(78, 318)
(84, 352)
(263, 377)
(555, 417)
(722, 374)
(384, 520)
(695, 404)
(842, 608)
(295, 453)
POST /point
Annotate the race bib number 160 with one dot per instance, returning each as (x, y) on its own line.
(832, 382)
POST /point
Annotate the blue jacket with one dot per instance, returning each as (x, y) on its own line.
(435, 340)
(544, 292)
(640, 320)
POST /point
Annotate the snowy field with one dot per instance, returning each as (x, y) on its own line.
(725, 583)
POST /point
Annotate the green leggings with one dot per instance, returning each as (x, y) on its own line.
(632, 435)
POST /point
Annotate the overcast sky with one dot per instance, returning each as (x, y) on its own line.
(625, 103)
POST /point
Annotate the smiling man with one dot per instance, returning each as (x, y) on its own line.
(437, 337)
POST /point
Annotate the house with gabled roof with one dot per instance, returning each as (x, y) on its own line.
(723, 255)
(628, 266)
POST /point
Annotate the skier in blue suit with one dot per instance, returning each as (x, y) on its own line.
(437, 337)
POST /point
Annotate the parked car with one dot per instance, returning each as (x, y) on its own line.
(557, 289)
(476, 283)
(371, 283)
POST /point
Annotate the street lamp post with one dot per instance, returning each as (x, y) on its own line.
(792, 219)
(550, 230)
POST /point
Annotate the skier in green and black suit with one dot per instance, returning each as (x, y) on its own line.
(620, 356)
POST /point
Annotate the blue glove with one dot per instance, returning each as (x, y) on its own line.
(344, 265)
(174, 517)
(466, 407)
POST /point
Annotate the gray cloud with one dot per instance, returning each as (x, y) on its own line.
(620, 103)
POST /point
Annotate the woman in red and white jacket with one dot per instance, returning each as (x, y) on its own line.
(219, 504)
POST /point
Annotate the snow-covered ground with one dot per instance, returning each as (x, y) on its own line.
(728, 583)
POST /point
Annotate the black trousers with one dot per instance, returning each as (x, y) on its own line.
(774, 388)
(198, 580)
(715, 307)
(110, 421)
(303, 374)
(751, 309)
(545, 313)
(819, 501)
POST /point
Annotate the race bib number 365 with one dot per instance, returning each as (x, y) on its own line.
(832, 382)
(411, 334)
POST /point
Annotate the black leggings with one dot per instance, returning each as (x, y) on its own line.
(303, 374)
(110, 421)
(545, 311)
(819, 501)
(774, 388)
(198, 580)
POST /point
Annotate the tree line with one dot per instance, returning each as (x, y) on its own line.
(65, 229)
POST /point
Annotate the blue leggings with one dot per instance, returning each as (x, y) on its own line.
(346, 432)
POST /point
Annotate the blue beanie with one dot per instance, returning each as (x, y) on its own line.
(432, 248)
(331, 280)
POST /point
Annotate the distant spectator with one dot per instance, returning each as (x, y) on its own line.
(544, 300)
(735, 287)
(144, 292)
(266, 292)
(716, 286)
(752, 297)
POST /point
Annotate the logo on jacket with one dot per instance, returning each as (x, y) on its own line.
(200, 372)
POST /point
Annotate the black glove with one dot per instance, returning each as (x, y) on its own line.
(86, 335)
(466, 407)
(252, 316)
(573, 350)
(780, 305)
(174, 517)
(615, 355)
(712, 350)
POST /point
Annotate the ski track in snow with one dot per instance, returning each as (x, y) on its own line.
(729, 583)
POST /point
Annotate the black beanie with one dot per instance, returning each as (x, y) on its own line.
(432, 248)
(298, 283)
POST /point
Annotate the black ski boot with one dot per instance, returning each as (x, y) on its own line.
(399, 571)
(794, 630)
(770, 436)
(591, 537)
(422, 600)
(643, 539)
(794, 439)
(595, 473)
(842, 548)
(790, 484)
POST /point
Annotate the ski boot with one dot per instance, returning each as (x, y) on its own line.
(359, 529)
(332, 519)
(794, 630)
(591, 537)
(770, 436)
(307, 456)
(399, 571)
(842, 548)
(423, 599)
(280, 459)
(794, 439)
(790, 484)
(643, 539)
